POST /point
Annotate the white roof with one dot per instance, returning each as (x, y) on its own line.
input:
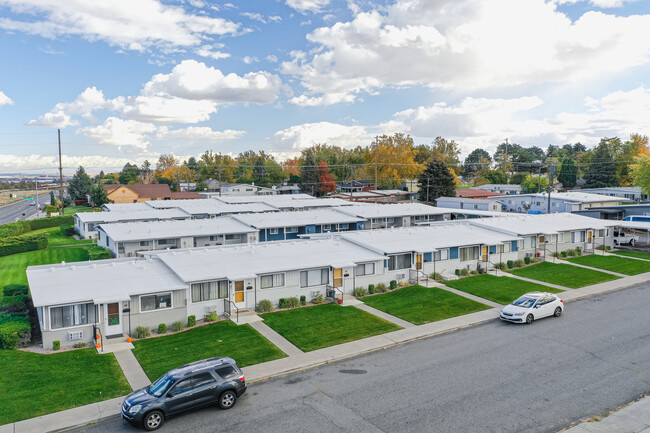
(97, 281)
(241, 261)
(581, 197)
(426, 238)
(123, 207)
(295, 219)
(122, 232)
(140, 215)
(376, 210)
(542, 224)
(261, 198)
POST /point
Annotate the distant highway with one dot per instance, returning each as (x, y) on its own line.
(22, 210)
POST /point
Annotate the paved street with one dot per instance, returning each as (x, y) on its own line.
(492, 378)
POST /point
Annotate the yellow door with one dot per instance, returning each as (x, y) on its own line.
(484, 252)
(338, 277)
(418, 261)
(239, 292)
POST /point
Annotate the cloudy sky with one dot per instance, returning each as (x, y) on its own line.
(129, 80)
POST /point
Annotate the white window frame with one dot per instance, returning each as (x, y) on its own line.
(171, 302)
(273, 282)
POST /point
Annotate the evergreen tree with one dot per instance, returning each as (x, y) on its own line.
(309, 175)
(602, 170)
(80, 186)
(99, 196)
(568, 173)
(436, 181)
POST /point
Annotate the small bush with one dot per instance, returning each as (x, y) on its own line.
(177, 326)
(360, 292)
(191, 321)
(473, 272)
(265, 306)
(162, 328)
(393, 284)
(435, 276)
(527, 260)
(511, 264)
(464, 272)
(292, 302)
(381, 288)
(303, 300)
(371, 288)
(56, 345)
(457, 272)
(213, 317)
(79, 345)
(67, 230)
(519, 263)
(282, 303)
(142, 332)
(318, 300)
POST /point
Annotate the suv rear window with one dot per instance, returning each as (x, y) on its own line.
(227, 372)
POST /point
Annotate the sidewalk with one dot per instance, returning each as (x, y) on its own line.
(298, 361)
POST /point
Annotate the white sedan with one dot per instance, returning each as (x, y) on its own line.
(532, 306)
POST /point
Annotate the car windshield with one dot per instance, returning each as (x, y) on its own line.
(524, 302)
(160, 386)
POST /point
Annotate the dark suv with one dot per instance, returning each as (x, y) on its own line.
(215, 380)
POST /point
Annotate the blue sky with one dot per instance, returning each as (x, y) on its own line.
(133, 80)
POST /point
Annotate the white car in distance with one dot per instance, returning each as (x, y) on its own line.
(532, 306)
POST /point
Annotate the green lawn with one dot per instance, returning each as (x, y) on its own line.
(615, 264)
(563, 275)
(33, 384)
(12, 268)
(418, 305)
(312, 328)
(242, 343)
(633, 254)
(502, 290)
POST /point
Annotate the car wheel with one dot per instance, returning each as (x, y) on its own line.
(558, 312)
(153, 420)
(227, 399)
(529, 319)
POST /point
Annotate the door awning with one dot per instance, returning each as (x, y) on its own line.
(111, 299)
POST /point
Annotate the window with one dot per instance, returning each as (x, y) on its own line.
(291, 230)
(273, 231)
(364, 269)
(327, 227)
(144, 243)
(469, 253)
(209, 291)
(227, 372)
(72, 315)
(155, 302)
(273, 280)
(314, 277)
(399, 261)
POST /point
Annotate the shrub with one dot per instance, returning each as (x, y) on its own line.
(518, 263)
(96, 252)
(292, 302)
(303, 300)
(282, 303)
(360, 292)
(265, 306)
(464, 272)
(177, 326)
(527, 260)
(56, 345)
(79, 345)
(435, 276)
(473, 272)
(191, 321)
(381, 288)
(511, 264)
(142, 332)
(563, 254)
(393, 284)
(213, 316)
(371, 288)
(162, 328)
(67, 230)
(318, 300)
(15, 331)
(457, 272)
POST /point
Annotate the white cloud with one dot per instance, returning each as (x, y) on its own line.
(298, 137)
(466, 45)
(129, 25)
(304, 6)
(120, 132)
(88, 101)
(5, 100)
(200, 133)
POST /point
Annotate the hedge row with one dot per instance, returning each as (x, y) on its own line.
(15, 326)
(22, 243)
(21, 227)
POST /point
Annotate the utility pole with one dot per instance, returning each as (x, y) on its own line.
(376, 159)
(61, 177)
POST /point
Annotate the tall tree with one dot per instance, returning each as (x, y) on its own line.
(568, 173)
(309, 175)
(474, 161)
(602, 170)
(80, 186)
(393, 158)
(325, 178)
(437, 180)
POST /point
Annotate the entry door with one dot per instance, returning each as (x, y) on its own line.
(240, 295)
(113, 318)
(418, 261)
(338, 277)
(484, 253)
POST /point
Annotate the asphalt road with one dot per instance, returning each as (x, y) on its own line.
(496, 377)
(14, 211)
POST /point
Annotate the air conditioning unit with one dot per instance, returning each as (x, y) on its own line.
(75, 335)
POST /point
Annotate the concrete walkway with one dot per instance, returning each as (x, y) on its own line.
(375, 312)
(133, 372)
(278, 340)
